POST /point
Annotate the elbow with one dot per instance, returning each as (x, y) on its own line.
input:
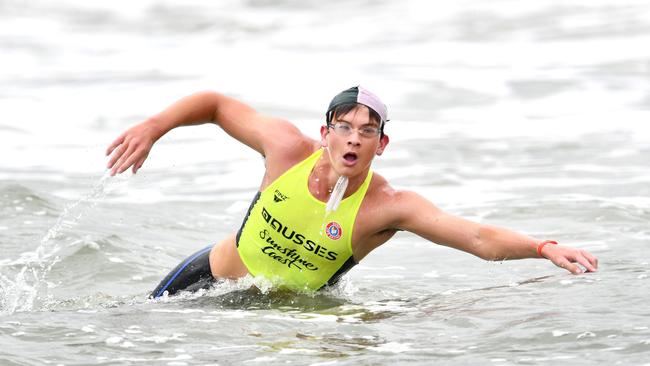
(207, 94)
(210, 96)
(478, 248)
(211, 101)
(490, 255)
(483, 245)
(487, 255)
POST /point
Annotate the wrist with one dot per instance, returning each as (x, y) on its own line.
(156, 127)
(541, 246)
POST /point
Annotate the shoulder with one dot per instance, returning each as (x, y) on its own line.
(285, 145)
(285, 138)
(382, 192)
(397, 206)
(381, 198)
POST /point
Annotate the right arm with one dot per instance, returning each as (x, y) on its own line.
(239, 120)
(416, 214)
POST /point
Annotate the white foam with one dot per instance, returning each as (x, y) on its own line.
(392, 347)
(114, 340)
(586, 335)
(299, 351)
(260, 359)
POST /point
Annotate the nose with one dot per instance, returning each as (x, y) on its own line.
(354, 139)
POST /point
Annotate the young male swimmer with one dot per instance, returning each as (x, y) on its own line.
(289, 235)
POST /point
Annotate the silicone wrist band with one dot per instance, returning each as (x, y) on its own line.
(541, 245)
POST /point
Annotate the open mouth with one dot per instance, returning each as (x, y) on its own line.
(350, 157)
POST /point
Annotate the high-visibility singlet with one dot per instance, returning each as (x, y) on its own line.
(287, 238)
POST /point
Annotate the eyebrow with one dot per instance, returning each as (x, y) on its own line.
(371, 123)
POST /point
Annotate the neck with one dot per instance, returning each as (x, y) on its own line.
(323, 178)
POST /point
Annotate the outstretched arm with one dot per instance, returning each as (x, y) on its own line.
(239, 120)
(418, 215)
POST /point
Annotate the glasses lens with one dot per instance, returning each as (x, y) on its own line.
(342, 129)
(369, 131)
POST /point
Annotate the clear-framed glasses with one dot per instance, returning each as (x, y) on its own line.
(345, 129)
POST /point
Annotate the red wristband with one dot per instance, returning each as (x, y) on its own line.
(541, 245)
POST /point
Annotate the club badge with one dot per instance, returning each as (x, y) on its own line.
(333, 230)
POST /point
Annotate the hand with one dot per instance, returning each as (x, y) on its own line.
(566, 258)
(132, 148)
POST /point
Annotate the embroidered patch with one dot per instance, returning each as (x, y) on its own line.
(333, 230)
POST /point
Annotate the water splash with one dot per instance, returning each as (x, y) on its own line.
(30, 284)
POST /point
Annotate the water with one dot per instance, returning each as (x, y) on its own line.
(527, 115)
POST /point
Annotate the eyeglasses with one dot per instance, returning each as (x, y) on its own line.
(345, 129)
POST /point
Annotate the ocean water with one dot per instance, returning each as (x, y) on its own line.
(528, 115)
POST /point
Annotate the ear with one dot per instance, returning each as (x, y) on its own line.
(383, 142)
(323, 135)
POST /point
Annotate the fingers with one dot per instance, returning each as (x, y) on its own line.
(126, 165)
(567, 259)
(129, 150)
(115, 144)
(117, 154)
(592, 260)
(135, 159)
(588, 261)
(564, 263)
(138, 165)
(125, 160)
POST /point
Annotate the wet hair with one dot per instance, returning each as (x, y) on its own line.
(345, 108)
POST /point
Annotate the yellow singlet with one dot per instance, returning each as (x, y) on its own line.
(287, 238)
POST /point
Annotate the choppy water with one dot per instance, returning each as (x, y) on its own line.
(528, 115)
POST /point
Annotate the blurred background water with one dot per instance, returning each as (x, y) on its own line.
(529, 115)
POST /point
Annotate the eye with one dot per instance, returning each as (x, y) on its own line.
(344, 127)
(369, 131)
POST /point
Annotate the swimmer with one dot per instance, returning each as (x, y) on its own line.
(287, 235)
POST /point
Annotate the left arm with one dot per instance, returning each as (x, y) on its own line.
(421, 217)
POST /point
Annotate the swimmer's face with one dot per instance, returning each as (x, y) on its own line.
(352, 155)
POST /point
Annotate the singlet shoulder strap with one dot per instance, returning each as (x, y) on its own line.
(309, 162)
